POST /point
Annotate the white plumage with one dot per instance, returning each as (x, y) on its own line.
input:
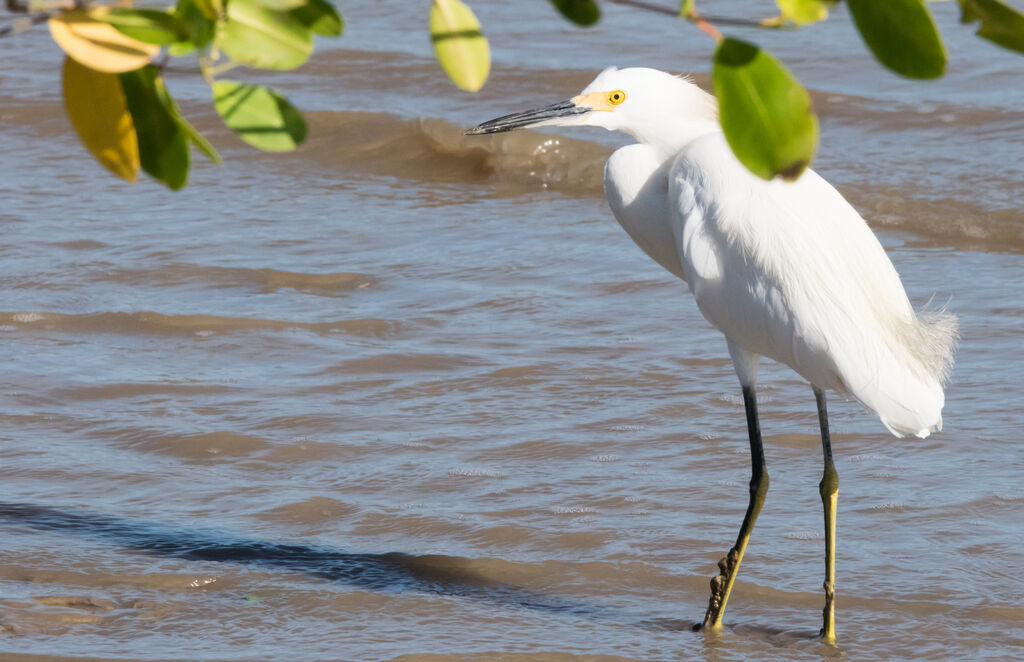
(787, 270)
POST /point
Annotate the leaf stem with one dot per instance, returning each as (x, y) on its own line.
(221, 68)
(704, 26)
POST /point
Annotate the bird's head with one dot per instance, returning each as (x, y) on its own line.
(652, 106)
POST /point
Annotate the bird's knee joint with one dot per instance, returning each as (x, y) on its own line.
(829, 485)
(759, 484)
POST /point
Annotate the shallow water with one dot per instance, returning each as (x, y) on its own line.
(407, 394)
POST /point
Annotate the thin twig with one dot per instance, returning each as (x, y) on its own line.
(648, 6)
(27, 22)
(33, 18)
(25, 7)
(720, 20)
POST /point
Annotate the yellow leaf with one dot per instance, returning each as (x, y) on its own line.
(804, 11)
(459, 44)
(97, 108)
(99, 45)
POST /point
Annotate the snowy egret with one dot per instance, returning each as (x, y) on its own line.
(786, 270)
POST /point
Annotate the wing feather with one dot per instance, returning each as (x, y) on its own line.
(792, 272)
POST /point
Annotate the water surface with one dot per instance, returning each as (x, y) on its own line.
(408, 394)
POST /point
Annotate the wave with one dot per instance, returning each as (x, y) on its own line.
(525, 162)
(265, 279)
(964, 224)
(435, 150)
(147, 322)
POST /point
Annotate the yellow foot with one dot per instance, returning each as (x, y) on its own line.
(828, 614)
(721, 586)
(707, 628)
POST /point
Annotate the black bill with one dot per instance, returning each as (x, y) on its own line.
(537, 117)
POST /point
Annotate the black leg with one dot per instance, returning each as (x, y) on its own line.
(721, 586)
(829, 490)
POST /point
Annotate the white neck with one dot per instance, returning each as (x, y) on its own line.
(681, 133)
(689, 114)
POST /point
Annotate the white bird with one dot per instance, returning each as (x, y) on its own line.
(786, 270)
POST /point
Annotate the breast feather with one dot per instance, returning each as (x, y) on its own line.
(636, 187)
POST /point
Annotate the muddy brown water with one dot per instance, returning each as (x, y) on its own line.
(411, 395)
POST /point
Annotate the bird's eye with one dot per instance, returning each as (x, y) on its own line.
(616, 97)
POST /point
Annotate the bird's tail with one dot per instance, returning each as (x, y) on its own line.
(926, 344)
(937, 333)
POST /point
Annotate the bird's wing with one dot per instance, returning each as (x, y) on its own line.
(791, 271)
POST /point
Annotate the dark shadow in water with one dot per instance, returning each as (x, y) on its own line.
(395, 571)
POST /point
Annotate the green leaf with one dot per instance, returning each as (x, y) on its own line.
(902, 35)
(1000, 24)
(687, 7)
(581, 12)
(163, 149)
(261, 117)
(148, 25)
(201, 28)
(321, 17)
(211, 9)
(181, 49)
(765, 113)
(804, 12)
(459, 44)
(163, 96)
(191, 133)
(264, 38)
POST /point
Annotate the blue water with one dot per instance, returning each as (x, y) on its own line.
(394, 396)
